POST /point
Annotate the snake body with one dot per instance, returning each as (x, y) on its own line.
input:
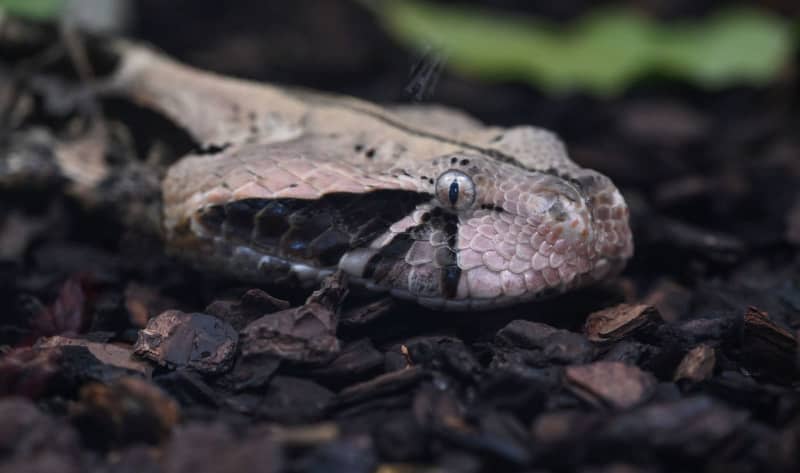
(423, 202)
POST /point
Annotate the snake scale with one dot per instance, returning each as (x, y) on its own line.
(420, 201)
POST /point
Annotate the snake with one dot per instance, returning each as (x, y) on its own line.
(421, 201)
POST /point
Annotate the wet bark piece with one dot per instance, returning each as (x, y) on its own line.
(546, 344)
(197, 341)
(611, 384)
(59, 365)
(698, 364)
(120, 356)
(767, 348)
(189, 389)
(357, 361)
(367, 313)
(446, 354)
(383, 385)
(291, 400)
(253, 304)
(250, 372)
(305, 334)
(621, 321)
(127, 411)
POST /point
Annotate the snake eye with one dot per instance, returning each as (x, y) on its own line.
(455, 190)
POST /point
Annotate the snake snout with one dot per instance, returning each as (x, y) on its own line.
(536, 240)
(613, 242)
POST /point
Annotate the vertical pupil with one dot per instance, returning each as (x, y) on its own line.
(453, 193)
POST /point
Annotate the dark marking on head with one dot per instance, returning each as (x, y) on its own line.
(293, 185)
(450, 273)
(493, 207)
(212, 218)
(358, 148)
(315, 231)
(239, 221)
(496, 139)
(382, 262)
(453, 160)
(430, 180)
(330, 246)
(370, 153)
(464, 162)
(213, 148)
(272, 220)
(451, 230)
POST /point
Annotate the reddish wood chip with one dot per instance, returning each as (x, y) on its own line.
(768, 349)
(304, 334)
(610, 383)
(117, 355)
(618, 322)
(697, 365)
(253, 304)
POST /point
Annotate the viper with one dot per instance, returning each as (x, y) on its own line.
(421, 201)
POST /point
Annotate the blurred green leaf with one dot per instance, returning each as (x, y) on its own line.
(603, 52)
(36, 9)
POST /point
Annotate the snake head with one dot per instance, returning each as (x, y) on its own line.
(494, 234)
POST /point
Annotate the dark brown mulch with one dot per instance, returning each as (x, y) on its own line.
(687, 362)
